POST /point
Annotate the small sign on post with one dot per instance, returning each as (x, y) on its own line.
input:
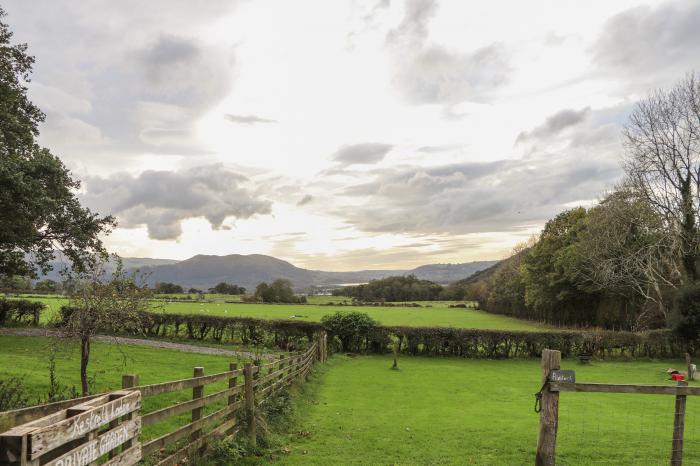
(567, 376)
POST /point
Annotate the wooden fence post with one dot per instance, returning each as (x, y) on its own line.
(197, 392)
(678, 427)
(280, 379)
(250, 402)
(325, 346)
(549, 415)
(232, 384)
(129, 381)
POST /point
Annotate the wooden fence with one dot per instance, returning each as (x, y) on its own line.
(108, 426)
(555, 381)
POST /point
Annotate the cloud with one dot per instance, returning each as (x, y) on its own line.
(247, 119)
(645, 40)
(111, 61)
(412, 32)
(428, 73)
(161, 200)
(555, 124)
(365, 153)
(305, 200)
(507, 195)
(438, 76)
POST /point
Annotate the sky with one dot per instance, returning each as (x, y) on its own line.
(344, 135)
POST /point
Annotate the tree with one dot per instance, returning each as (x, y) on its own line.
(225, 288)
(550, 268)
(102, 304)
(625, 251)
(168, 288)
(48, 285)
(662, 161)
(350, 327)
(279, 291)
(39, 211)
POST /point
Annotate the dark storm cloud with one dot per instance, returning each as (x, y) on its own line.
(656, 40)
(365, 153)
(161, 200)
(555, 124)
(247, 119)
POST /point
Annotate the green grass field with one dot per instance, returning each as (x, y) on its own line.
(27, 357)
(456, 411)
(438, 315)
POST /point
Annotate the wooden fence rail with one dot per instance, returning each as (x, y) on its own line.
(108, 425)
(548, 405)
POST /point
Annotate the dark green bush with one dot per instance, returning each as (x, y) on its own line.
(351, 328)
(20, 312)
(13, 394)
(687, 313)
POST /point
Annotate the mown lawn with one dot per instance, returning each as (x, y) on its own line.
(28, 358)
(438, 315)
(457, 411)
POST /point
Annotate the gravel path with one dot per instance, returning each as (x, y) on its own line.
(41, 332)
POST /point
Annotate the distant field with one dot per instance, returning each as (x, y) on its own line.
(457, 411)
(439, 315)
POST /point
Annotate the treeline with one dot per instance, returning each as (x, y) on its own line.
(408, 288)
(279, 291)
(633, 260)
(607, 266)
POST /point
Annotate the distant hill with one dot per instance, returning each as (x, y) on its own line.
(248, 270)
(204, 271)
(448, 273)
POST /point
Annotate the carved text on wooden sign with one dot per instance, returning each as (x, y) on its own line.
(562, 376)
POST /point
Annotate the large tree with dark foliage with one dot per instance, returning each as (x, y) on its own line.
(39, 211)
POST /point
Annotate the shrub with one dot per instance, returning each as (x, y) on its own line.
(687, 313)
(13, 394)
(352, 328)
(20, 312)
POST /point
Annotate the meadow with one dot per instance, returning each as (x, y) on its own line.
(458, 411)
(439, 314)
(28, 359)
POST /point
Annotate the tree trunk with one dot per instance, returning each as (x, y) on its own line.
(689, 233)
(84, 359)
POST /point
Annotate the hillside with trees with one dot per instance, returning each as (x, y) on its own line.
(633, 260)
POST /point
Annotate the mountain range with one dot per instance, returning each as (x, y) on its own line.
(204, 271)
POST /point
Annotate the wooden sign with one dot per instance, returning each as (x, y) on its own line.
(567, 376)
(55, 435)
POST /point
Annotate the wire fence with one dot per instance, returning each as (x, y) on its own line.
(601, 428)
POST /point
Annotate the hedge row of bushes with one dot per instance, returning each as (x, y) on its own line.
(423, 341)
(498, 344)
(282, 334)
(20, 312)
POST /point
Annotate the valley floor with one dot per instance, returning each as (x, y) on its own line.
(438, 314)
(457, 411)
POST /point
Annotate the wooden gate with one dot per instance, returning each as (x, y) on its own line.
(555, 381)
(106, 426)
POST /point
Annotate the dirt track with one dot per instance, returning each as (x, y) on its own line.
(40, 332)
